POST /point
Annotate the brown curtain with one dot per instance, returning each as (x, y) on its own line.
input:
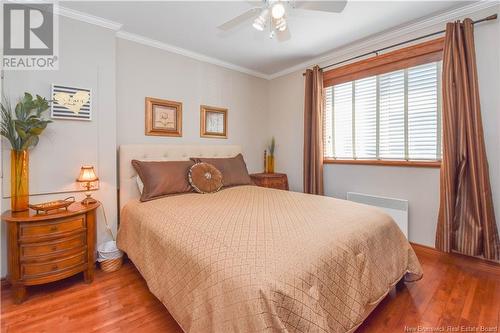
(313, 131)
(466, 221)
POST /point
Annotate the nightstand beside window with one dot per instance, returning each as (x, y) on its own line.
(271, 180)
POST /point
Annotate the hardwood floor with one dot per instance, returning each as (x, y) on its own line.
(114, 302)
(455, 291)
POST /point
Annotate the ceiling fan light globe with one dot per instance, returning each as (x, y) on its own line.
(281, 24)
(258, 25)
(260, 22)
(278, 10)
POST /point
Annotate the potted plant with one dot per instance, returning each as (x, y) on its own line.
(22, 127)
(270, 157)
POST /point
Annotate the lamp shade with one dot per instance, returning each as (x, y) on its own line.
(87, 174)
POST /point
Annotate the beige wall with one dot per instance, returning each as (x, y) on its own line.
(145, 71)
(419, 186)
(87, 59)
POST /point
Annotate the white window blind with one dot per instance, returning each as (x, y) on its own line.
(342, 119)
(392, 116)
(365, 120)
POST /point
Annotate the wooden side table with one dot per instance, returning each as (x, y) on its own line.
(48, 247)
(272, 180)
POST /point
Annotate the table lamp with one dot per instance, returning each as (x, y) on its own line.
(87, 177)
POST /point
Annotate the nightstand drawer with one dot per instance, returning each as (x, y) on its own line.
(49, 229)
(271, 180)
(33, 270)
(277, 183)
(55, 247)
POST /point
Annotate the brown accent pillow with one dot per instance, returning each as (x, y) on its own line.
(205, 178)
(234, 170)
(162, 178)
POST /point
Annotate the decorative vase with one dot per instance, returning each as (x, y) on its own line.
(19, 180)
(270, 164)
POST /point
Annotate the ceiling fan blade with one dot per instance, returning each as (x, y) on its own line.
(283, 36)
(232, 23)
(331, 6)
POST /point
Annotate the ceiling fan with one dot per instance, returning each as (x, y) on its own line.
(274, 13)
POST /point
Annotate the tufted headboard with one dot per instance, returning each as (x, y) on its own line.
(127, 153)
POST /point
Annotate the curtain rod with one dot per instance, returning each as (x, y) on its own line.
(489, 18)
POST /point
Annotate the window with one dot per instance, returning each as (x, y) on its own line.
(391, 116)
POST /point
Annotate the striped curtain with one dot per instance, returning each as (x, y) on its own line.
(466, 222)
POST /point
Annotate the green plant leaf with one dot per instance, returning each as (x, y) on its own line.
(18, 145)
(23, 124)
(31, 142)
(22, 133)
(27, 97)
(19, 110)
(37, 130)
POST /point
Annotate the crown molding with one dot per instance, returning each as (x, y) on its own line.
(116, 26)
(342, 52)
(194, 55)
(87, 18)
(391, 34)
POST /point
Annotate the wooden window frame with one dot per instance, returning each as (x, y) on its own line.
(411, 56)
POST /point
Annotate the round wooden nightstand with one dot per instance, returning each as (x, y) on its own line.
(43, 248)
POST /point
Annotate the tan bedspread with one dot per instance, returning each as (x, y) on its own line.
(251, 259)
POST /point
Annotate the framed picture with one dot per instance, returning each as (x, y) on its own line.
(163, 118)
(71, 103)
(213, 122)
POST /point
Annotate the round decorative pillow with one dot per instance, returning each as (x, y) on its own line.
(205, 178)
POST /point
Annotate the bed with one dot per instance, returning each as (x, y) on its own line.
(253, 259)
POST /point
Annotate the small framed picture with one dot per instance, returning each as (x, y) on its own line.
(213, 122)
(72, 103)
(163, 118)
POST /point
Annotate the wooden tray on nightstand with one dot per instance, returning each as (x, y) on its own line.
(46, 207)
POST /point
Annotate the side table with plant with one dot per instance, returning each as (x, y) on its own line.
(22, 126)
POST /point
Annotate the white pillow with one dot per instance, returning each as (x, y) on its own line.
(140, 184)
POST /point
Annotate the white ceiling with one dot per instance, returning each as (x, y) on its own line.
(193, 26)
